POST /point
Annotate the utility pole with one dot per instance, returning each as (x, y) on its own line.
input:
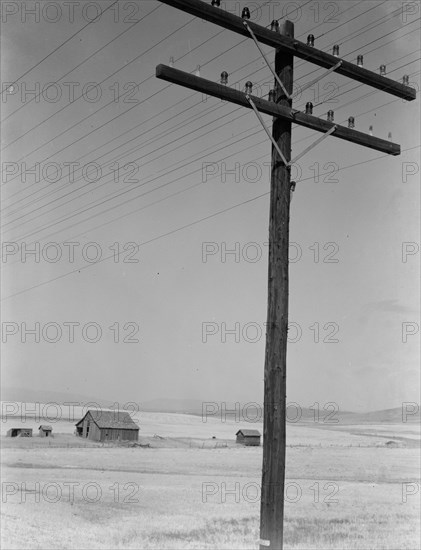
(274, 415)
(281, 38)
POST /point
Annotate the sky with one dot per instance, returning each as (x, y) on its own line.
(145, 187)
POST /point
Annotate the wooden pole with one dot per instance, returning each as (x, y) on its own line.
(273, 471)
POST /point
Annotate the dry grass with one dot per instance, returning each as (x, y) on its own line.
(173, 512)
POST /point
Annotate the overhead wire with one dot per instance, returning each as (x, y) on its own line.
(61, 45)
(98, 84)
(56, 112)
(36, 96)
(60, 220)
(98, 128)
(128, 152)
(168, 233)
(181, 177)
(113, 101)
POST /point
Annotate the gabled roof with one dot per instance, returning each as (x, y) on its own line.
(111, 419)
(249, 433)
(45, 428)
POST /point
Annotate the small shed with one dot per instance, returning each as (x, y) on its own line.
(99, 425)
(45, 431)
(19, 432)
(250, 438)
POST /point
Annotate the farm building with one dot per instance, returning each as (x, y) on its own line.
(45, 431)
(251, 438)
(19, 432)
(99, 425)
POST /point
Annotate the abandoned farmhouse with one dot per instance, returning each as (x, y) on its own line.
(250, 438)
(45, 431)
(19, 432)
(99, 425)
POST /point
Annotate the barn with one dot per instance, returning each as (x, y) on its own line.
(99, 425)
(250, 438)
(19, 432)
(45, 431)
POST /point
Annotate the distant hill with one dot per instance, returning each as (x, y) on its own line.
(216, 409)
(26, 395)
(186, 406)
(294, 415)
(392, 416)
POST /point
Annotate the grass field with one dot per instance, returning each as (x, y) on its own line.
(346, 488)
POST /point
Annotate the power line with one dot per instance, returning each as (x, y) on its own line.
(360, 48)
(99, 83)
(349, 20)
(59, 198)
(173, 181)
(62, 44)
(139, 158)
(84, 61)
(158, 176)
(112, 197)
(120, 113)
(191, 224)
(125, 132)
(113, 101)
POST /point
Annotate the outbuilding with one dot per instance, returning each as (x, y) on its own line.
(99, 425)
(250, 438)
(45, 431)
(19, 432)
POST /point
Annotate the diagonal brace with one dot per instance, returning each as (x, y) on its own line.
(310, 147)
(259, 116)
(310, 84)
(278, 80)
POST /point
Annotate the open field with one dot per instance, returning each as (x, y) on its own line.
(346, 489)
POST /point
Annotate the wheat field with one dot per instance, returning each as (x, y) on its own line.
(345, 489)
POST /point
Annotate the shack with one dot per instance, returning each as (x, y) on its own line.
(45, 431)
(99, 425)
(19, 432)
(250, 438)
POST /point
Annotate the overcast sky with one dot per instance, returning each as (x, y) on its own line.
(186, 178)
